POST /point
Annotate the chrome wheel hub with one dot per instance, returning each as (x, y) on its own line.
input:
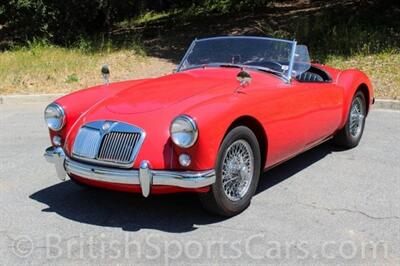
(356, 117)
(237, 169)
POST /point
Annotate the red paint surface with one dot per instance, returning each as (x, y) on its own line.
(294, 115)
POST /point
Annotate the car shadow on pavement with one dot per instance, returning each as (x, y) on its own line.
(289, 168)
(171, 213)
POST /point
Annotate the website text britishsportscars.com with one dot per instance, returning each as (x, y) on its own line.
(256, 247)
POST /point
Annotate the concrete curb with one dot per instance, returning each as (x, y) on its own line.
(23, 99)
(387, 104)
(47, 98)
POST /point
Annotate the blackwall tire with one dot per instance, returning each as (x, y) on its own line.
(237, 173)
(350, 135)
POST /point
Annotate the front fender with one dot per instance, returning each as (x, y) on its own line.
(213, 119)
(77, 103)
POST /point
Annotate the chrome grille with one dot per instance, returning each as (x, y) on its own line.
(118, 147)
(109, 143)
(86, 142)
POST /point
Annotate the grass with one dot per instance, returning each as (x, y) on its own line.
(51, 69)
(381, 68)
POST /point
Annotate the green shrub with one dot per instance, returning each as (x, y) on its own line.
(72, 78)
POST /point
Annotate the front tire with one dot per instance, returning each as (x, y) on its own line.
(350, 135)
(237, 173)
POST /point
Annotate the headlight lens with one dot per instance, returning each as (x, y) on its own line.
(54, 116)
(184, 131)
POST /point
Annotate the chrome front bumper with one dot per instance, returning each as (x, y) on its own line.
(144, 176)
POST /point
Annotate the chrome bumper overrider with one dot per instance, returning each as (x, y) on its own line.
(145, 176)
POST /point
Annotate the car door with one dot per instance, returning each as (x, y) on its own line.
(325, 101)
(284, 112)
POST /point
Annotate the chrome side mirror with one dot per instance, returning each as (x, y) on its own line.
(244, 78)
(105, 72)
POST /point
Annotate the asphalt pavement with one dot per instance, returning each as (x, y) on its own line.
(326, 206)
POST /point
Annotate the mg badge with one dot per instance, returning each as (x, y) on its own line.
(106, 126)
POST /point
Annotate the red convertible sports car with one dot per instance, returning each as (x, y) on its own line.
(235, 107)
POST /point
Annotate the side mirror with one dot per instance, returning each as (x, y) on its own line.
(105, 72)
(244, 78)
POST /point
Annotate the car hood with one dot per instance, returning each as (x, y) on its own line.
(160, 93)
(152, 104)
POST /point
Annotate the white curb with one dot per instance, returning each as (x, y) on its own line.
(21, 99)
(387, 104)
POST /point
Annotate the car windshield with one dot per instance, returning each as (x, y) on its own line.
(272, 55)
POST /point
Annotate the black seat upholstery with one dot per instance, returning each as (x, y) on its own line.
(309, 77)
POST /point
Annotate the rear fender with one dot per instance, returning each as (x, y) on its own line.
(352, 80)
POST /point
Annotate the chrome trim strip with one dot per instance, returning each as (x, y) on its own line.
(244, 37)
(189, 50)
(145, 176)
(291, 62)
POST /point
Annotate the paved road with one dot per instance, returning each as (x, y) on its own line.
(325, 206)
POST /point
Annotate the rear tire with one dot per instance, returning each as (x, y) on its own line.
(350, 135)
(237, 173)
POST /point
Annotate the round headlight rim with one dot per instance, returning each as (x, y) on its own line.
(193, 124)
(62, 112)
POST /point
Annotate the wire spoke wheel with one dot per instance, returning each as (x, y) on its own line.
(237, 169)
(356, 117)
(350, 135)
(237, 172)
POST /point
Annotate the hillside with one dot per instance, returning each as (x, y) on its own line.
(344, 34)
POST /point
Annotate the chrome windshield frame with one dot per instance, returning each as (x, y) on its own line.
(291, 59)
(291, 62)
(188, 52)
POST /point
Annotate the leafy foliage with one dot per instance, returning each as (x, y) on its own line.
(91, 24)
(57, 20)
(66, 21)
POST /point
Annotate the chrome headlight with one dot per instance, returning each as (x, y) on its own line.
(55, 116)
(184, 131)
